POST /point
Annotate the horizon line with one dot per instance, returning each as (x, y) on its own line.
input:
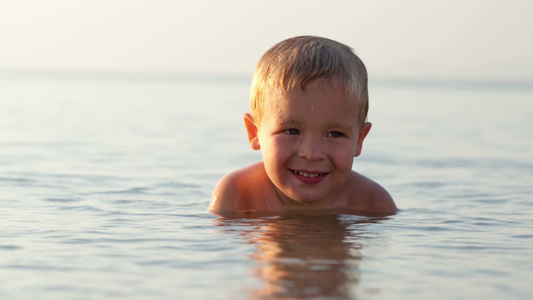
(242, 78)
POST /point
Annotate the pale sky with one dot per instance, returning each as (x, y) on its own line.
(473, 40)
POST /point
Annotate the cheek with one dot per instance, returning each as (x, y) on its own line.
(276, 144)
(273, 150)
(345, 157)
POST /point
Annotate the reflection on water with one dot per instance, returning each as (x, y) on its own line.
(303, 257)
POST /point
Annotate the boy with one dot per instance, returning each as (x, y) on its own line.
(309, 101)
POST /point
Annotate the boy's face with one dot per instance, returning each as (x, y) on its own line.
(308, 139)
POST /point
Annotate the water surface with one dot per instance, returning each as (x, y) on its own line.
(104, 185)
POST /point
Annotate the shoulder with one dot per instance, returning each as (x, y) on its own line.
(372, 197)
(232, 192)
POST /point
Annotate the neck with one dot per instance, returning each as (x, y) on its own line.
(290, 204)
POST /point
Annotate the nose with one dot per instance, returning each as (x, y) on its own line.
(311, 149)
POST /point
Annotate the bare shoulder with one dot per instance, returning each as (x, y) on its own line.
(232, 192)
(371, 196)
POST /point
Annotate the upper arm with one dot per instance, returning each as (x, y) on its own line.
(374, 198)
(227, 196)
(381, 200)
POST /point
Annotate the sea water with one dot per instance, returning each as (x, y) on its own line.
(104, 185)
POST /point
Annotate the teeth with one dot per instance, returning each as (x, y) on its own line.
(308, 175)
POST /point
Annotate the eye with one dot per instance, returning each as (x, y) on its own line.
(335, 134)
(292, 131)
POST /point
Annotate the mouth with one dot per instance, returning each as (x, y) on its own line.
(309, 177)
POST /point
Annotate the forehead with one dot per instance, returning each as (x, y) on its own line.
(318, 99)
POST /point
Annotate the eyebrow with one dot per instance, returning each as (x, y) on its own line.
(334, 125)
(286, 122)
(341, 125)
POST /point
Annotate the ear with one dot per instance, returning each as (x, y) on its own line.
(362, 135)
(252, 130)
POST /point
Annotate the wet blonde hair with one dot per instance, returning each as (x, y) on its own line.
(302, 59)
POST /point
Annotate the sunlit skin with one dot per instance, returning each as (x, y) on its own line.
(308, 139)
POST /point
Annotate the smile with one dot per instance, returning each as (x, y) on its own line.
(313, 175)
(309, 177)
